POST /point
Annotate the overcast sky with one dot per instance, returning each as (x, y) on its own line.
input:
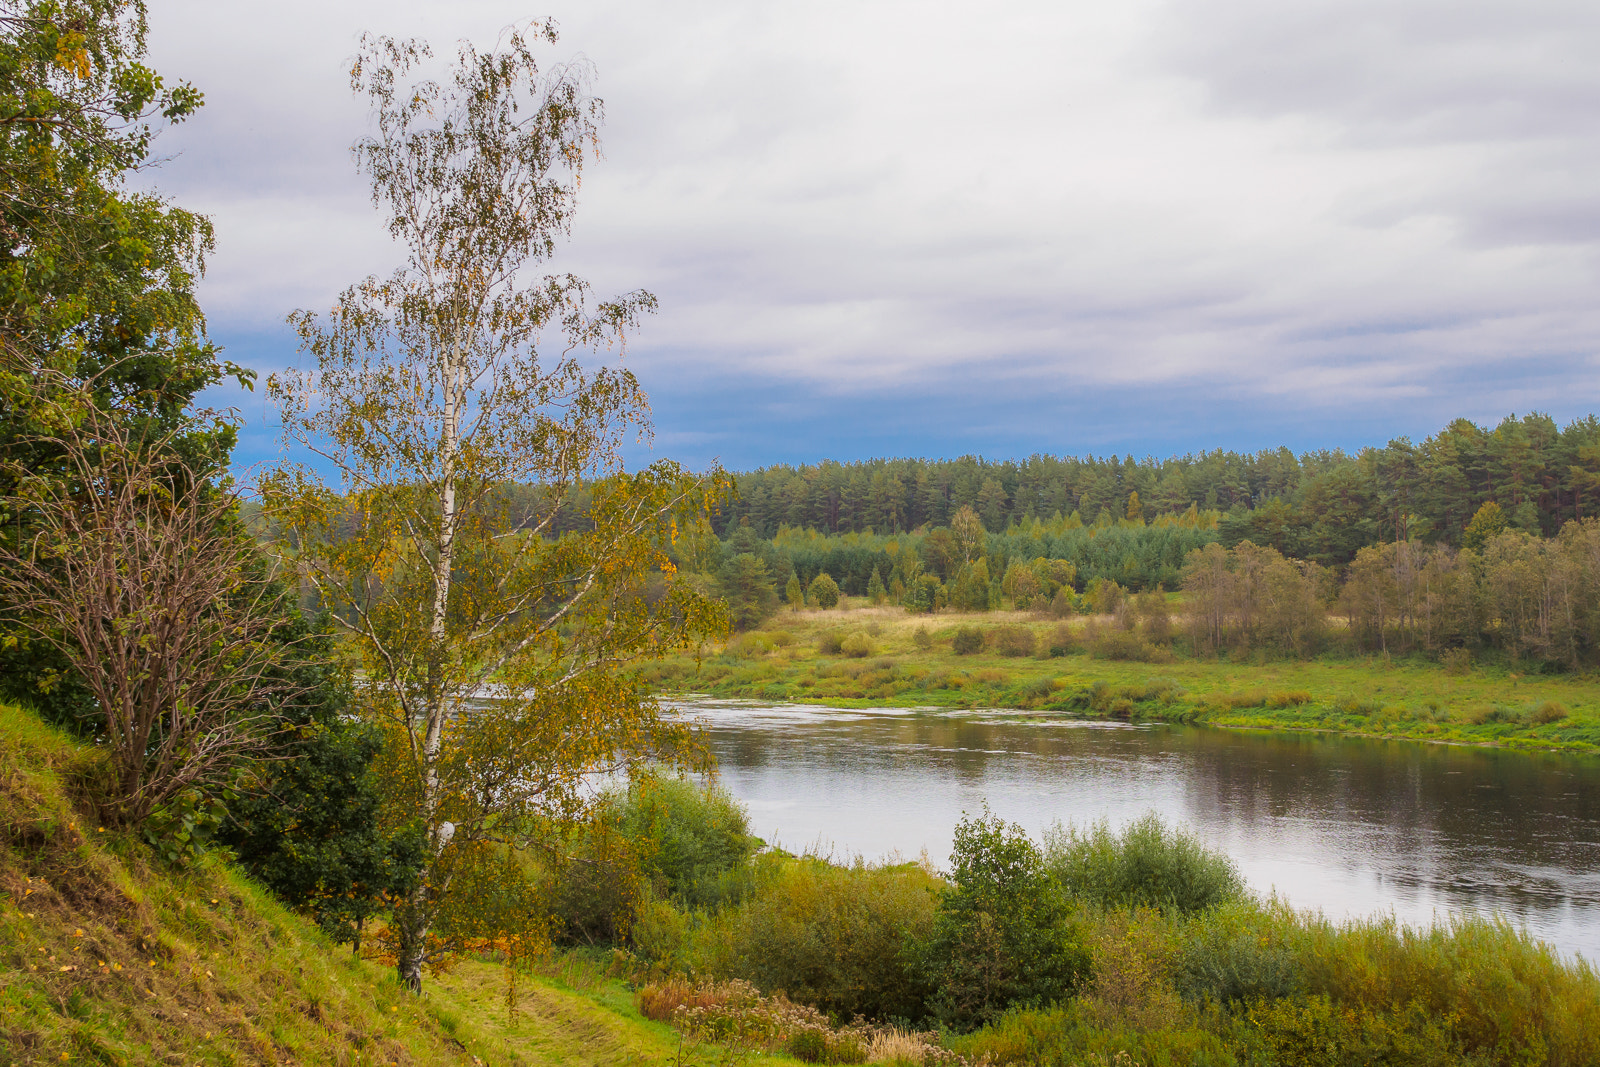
(928, 228)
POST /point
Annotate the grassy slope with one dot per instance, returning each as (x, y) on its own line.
(1364, 696)
(106, 957)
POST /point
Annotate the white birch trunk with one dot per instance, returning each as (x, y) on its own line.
(415, 922)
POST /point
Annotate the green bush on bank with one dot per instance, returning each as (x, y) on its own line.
(839, 938)
(1148, 864)
(661, 839)
(1004, 934)
(1139, 942)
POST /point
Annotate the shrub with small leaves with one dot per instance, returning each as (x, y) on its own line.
(1148, 864)
(1013, 641)
(857, 646)
(968, 640)
(824, 591)
(1003, 936)
(1548, 712)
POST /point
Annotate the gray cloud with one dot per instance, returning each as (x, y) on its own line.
(1317, 204)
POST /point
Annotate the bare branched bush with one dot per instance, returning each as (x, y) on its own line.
(133, 565)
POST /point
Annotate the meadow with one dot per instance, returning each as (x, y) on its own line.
(857, 655)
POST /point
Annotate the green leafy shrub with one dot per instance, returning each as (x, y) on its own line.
(692, 842)
(833, 937)
(1004, 936)
(1061, 640)
(1131, 986)
(824, 591)
(1548, 712)
(857, 646)
(824, 1045)
(1036, 690)
(1114, 643)
(1147, 864)
(1237, 953)
(306, 821)
(661, 839)
(922, 639)
(1507, 997)
(1499, 713)
(808, 1046)
(751, 645)
(182, 827)
(594, 887)
(1164, 690)
(830, 643)
(1104, 596)
(1013, 640)
(967, 641)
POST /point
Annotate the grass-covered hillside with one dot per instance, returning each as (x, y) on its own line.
(108, 956)
(855, 654)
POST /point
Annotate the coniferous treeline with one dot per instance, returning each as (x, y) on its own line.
(1536, 600)
(1134, 555)
(1321, 506)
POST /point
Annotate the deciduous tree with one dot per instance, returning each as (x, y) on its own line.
(427, 392)
(136, 570)
(96, 280)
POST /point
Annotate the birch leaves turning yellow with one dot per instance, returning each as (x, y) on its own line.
(430, 393)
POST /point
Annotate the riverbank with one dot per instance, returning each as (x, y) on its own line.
(883, 657)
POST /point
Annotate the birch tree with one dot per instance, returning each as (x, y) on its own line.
(431, 391)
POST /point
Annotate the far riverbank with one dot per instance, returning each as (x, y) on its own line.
(903, 660)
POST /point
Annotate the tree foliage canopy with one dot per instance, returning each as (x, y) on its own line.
(429, 392)
(96, 281)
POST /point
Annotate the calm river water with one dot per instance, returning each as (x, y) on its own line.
(1348, 826)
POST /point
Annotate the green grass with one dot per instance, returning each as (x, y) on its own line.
(1371, 696)
(109, 957)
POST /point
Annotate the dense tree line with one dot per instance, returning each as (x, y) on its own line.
(1322, 505)
(978, 570)
(1536, 600)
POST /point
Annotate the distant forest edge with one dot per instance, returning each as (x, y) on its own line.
(1320, 506)
(1476, 539)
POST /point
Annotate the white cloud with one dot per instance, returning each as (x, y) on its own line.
(1325, 203)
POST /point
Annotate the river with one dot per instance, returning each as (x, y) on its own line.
(1349, 826)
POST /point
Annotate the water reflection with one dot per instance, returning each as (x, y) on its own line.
(1349, 826)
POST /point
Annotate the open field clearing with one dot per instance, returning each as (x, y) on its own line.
(900, 659)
